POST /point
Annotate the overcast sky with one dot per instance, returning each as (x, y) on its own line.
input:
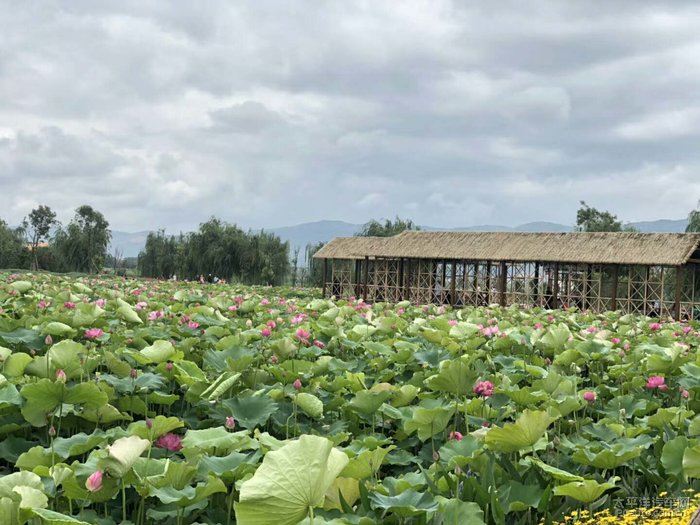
(161, 114)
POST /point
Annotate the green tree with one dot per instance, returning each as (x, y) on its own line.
(37, 227)
(388, 228)
(315, 267)
(82, 246)
(592, 220)
(694, 221)
(13, 252)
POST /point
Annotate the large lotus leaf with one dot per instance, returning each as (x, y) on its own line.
(460, 453)
(606, 459)
(408, 503)
(21, 286)
(16, 363)
(78, 444)
(188, 495)
(128, 314)
(366, 463)
(217, 439)
(159, 352)
(691, 462)
(9, 394)
(220, 386)
(290, 481)
(516, 497)
(348, 488)
(456, 376)
(366, 402)
(457, 512)
(694, 427)
(524, 433)
(672, 456)
(310, 404)
(586, 491)
(233, 466)
(106, 414)
(20, 491)
(404, 395)
(45, 395)
(66, 355)
(556, 337)
(159, 425)
(429, 419)
(31, 338)
(251, 411)
(50, 517)
(58, 329)
(556, 473)
(122, 455)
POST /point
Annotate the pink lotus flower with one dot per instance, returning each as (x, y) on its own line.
(455, 436)
(490, 330)
(93, 333)
(550, 318)
(69, 305)
(156, 314)
(265, 332)
(303, 334)
(654, 326)
(193, 325)
(685, 394)
(100, 302)
(137, 292)
(274, 360)
(170, 441)
(60, 376)
(539, 326)
(94, 481)
(400, 311)
(615, 340)
(656, 382)
(265, 301)
(230, 423)
(483, 388)
(232, 308)
(299, 318)
(452, 322)
(589, 396)
(297, 384)
(687, 329)
(140, 305)
(319, 344)
(42, 305)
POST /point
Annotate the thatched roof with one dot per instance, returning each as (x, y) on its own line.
(667, 249)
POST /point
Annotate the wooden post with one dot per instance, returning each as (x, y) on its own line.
(325, 276)
(555, 290)
(615, 281)
(586, 286)
(679, 289)
(365, 279)
(399, 282)
(488, 282)
(356, 281)
(536, 281)
(504, 282)
(407, 284)
(453, 283)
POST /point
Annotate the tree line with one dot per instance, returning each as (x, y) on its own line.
(41, 242)
(218, 249)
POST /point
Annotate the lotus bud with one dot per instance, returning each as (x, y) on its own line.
(60, 376)
(556, 441)
(273, 359)
(169, 366)
(94, 481)
(149, 423)
(133, 374)
(230, 423)
(48, 340)
(249, 323)
(589, 396)
(436, 456)
(685, 394)
(297, 384)
(52, 431)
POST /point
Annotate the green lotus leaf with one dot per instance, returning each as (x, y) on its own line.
(21, 286)
(44, 396)
(160, 425)
(457, 512)
(78, 444)
(187, 496)
(516, 497)
(456, 376)
(694, 427)
(15, 364)
(367, 402)
(429, 419)
(50, 517)
(672, 456)
(408, 503)
(122, 455)
(691, 462)
(404, 395)
(291, 481)
(159, 352)
(524, 433)
(606, 459)
(310, 404)
(556, 473)
(217, 438)
(367, 463)
(586, 491)
(251, 411)
(128, 314)
(556, 337)
(59, 329)
(9, 395)
(460, 453)
(220, 386)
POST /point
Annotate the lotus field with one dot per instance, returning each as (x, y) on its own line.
(127, 401)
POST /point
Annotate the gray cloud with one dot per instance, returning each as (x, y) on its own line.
(447, 112)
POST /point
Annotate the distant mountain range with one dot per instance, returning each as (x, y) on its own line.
(312, 232)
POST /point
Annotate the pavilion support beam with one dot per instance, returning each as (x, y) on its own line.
(555, 288)
(453, 283)
(503, 283)
(536, 284)
(488, 282)
(586, 286)
(365, 279)
(399, 282)
(679, 289)
(615, 281)
(357, 288)
(325, 276)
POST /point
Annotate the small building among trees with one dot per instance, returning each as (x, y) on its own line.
(656, 274)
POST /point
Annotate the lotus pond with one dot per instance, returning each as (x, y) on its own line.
(127, 401)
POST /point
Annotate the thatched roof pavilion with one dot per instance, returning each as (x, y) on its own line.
(651, 273)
